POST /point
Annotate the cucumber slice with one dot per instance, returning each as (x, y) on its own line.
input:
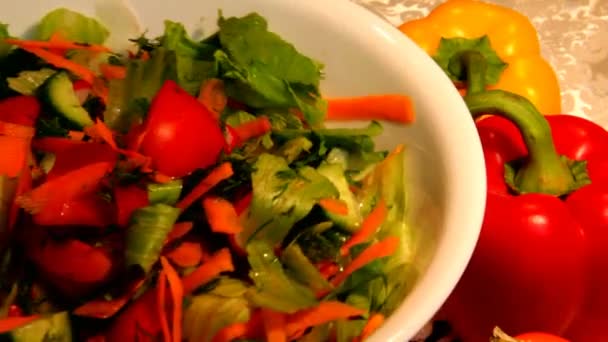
(57, 92)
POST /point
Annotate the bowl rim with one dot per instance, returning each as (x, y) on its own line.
(450, 258)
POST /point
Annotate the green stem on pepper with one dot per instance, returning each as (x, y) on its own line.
(543, 170)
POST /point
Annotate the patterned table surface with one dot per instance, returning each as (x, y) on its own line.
(573, 36)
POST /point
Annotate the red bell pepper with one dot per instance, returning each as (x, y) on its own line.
(540, 262)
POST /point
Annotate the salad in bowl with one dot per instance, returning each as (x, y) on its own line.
(174, 186)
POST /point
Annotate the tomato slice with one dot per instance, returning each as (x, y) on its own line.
(181, 134)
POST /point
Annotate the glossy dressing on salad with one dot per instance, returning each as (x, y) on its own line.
(190, 190)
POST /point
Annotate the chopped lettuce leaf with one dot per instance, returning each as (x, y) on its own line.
(281, 197)
(302, 269)
(262, 70)
(336, 174)
(387, 182)
(349, 330)
(72, 26)
(146, 234)
(194, 60)
(4, 47)
(209, 312)
(322, 245)
(28, 81)
(273, 288)
(166, 193)
(143, 80)
(293, 149)
(175, 38)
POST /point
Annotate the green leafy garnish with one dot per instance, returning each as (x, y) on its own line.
(264, 71)
(451, 48)
(4, 47)
(278, 201)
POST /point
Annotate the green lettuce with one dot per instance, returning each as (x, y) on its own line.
(4, 47)
(281, 197)
(28, 81)
(264, 71)
(274, 289)
(73, 26)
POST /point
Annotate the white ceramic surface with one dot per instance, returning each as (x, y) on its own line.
(363, 55)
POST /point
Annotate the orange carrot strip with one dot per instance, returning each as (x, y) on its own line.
(396, 108)
(334, 205)
(76, 135)
(64, 63)
(56, 44)
(221, 215)
(177, 294)
(179, 230)
(213, 96)
(370, 225)
(253, 129)
(274, 325)
(10, 323)
(18, 131)
(101, 131)
(187, 254)
(231, 332)
(372, 324)
(110, 71)
(162, 289)
(219, 262)
(161, 178)
(216, 175)
(381, 249)
(324, 312)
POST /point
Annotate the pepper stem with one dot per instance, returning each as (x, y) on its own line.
(543, 170)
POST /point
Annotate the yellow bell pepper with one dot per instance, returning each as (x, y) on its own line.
(511, 35)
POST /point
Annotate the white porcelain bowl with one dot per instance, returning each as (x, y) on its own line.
(362, 55)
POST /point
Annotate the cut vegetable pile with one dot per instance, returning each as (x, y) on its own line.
(190, 190)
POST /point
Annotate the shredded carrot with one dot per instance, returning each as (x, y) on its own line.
(221, 215)
(10, 323)
(100, 89)
(101, 131)
(252, 129)
(160, 302)
(110, 71)
(396, 108)
(213, 96)
(231, 332)
(325, 312)
(76, 135)
(380, 249)
(64, 63)
(56, 43)
(370, 225)
(161, 178)
(372, 324)
(274, 325)
(177, 294)
(334, 206)
(187, 254)
(179, 230)
(18, 131)
(216, 175)
(219, 262)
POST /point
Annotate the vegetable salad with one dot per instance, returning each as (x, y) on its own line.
(190, 190)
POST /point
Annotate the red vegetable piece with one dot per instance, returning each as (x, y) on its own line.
(88, 210)
(21, 110)
(128, 199)
(181, 134)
